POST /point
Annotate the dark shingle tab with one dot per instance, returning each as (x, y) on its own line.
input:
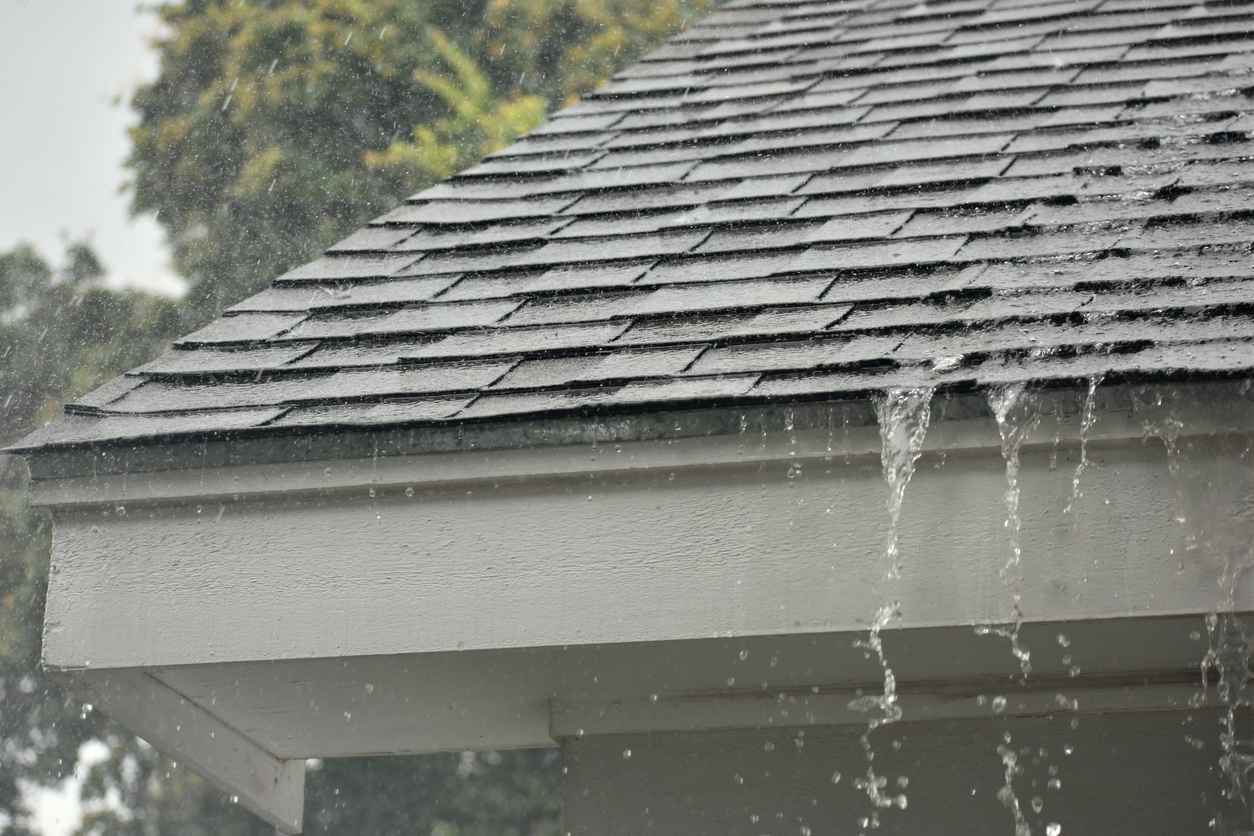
(789, 199)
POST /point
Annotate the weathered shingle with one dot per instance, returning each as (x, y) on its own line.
(787, 200)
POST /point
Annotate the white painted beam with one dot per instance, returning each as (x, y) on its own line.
(274, 789)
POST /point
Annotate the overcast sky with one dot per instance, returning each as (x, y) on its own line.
(64, 65)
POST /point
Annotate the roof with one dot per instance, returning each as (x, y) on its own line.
(788, 200)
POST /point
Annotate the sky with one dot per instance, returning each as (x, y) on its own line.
(65, 65)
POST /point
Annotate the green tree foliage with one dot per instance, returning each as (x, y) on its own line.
(61, 333)
(273, 128)
(276, 127)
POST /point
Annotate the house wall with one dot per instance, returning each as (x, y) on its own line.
(1144, 773)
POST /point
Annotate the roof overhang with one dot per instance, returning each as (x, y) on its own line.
(250, 616)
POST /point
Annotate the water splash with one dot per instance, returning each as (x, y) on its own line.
(1228, 657)
(1017, 413)
(903, 416)
(1214, 516)
(1006, 793)
(1088, 417)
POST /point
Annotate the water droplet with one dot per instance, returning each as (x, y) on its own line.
(235, 799)
(738, 778)
(369, 687)
(768, 746)
(626, 754)
(409, 492)
(653, 698)
(999, 704)
(1038, 804)
(1053, 829)
(1063, 641)
(743, 655)
(836, 776)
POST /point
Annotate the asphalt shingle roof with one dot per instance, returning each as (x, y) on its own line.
(787, 200)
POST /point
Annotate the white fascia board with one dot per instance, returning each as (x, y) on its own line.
(655, 542)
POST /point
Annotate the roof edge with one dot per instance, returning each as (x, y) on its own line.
(236, 468)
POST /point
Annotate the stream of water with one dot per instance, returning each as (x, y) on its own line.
(1017, 412)
(903, 416)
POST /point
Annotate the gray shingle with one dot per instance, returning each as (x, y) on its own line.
(435, 237)
(574, 277)
(887, 254)
(748, 293)
(312, 297)
(596, 368)
(245, 327)
(801, 354)
(437, 317)
(214, 361)
(368, 414)
(357, 266)
(372, 238)
(79, 429)
(582, 307)
(496, 341)
(710, 268)
(706, 327)
(475, 211)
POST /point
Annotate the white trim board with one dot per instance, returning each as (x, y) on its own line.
(656, 554)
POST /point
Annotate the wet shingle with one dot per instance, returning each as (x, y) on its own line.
(887, 254)
(309, 297)
(205, 361)
(788, 199)
(616, 274)
(404, 411)
(495, 341)
(242, 328)
(438, 317)
(594, 368)
(357, 266)
(749, 293)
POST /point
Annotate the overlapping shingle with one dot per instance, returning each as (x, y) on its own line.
(789, 200)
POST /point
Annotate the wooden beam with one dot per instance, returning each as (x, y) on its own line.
(274, 789)
(822, 707)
